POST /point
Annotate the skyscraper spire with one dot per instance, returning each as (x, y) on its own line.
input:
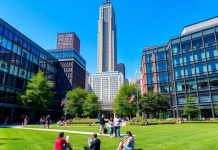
(107, 48)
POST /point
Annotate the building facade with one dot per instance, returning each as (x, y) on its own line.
(68, 40)
(72, 72)
(105, 85)
(121, 68)
(190, 68)
(20, 59)
(107, 47)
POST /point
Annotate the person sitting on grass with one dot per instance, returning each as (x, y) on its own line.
(94, 143)
(128, 144)
(61, 143)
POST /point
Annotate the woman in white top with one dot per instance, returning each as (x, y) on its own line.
(111, 126)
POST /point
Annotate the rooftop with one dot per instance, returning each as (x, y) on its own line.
(200, 25)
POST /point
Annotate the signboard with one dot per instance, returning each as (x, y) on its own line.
(65, 40)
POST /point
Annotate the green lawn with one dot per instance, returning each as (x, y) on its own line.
(157, 137)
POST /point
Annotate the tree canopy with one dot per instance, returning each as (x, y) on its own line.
(190, 109)
(121, 103)
(154, 103)
(80, 103)
(38, 94)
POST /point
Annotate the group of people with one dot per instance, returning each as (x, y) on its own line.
(114, 125)
(62, 143)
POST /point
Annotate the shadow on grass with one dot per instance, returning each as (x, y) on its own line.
(11, 139)
(2, 144)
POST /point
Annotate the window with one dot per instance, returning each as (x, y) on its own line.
(181, 100)
(3, 66)
(201, 69)
(161, 67)
(180, 86)
(215, 97)
(204, 98)
(188, 58)
(209, 40)
(211, 53)
(197, 43)
(150, 79)
(202, 83)
(179, 73)
(189, 71)
(175, 48)
(160, 56)
(191, 85)
(148, 58)
(4, 42)
(199, 55)
(216, 36)
(214, 82)
(186, 46)
(11, 70)
(163, 77)
(177, 61)
(212, 67)
(149, 68)
(1, 29)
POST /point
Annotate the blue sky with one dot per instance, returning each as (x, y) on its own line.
(139, 23)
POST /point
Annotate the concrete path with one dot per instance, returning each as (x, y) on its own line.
(58, 130)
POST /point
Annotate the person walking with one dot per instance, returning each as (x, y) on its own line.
(25, 121)
(47, 121)
(102, 124)
(117, 122)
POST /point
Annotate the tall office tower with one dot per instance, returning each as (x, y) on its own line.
(107, 51)
(121, 68)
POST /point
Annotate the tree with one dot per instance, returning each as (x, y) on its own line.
(154, 103)
(189, 109)
(91, 105)
(121, 103)
(216, 109)
(75, 101)
(38, 94)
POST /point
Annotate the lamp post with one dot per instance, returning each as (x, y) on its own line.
(137, 101)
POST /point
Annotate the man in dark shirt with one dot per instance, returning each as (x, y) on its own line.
(94, 143)
(102, 124)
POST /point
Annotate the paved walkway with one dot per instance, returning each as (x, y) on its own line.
(58, 130)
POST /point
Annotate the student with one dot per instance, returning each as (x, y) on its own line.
(94, 143)
(128, 144)
(25, 121)
(47, 121)
(102, 124)
(61, 143)
(111, 125)
(117, 122)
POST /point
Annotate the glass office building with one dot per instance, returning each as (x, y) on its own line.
(192, 68)
(20, 59)
(72, 72)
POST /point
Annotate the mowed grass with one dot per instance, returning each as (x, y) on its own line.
(157, 137)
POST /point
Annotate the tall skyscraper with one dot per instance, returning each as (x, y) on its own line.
(107, 51)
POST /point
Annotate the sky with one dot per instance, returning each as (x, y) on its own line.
(139, 23)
